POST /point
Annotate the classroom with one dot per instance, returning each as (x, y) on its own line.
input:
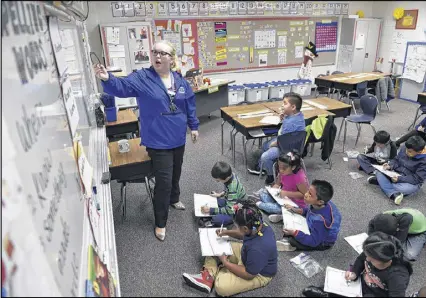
(213, 148)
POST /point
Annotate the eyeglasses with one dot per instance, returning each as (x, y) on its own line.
(162, 54)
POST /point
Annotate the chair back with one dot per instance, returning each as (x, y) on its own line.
(243, 103)
(274, 99)
(361, 88)
(320, 75)
(337, 72)
(293, 140)
(369, 105)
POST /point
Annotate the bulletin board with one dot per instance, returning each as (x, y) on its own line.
(220, 45)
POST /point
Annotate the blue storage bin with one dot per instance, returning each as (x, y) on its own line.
(111, 114)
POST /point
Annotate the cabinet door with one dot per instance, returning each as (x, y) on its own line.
(371, 46)
(361, 40)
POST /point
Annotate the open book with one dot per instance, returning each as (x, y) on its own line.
(203, 200)
(388, 173)
(356, 241)
(275, 193)
(335, 282)
(294, 221)
(212, 245)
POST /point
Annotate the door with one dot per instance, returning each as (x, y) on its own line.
(374, 27)
(360, 40)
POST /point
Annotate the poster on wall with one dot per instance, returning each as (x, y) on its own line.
(193, 8)
(117, 9)
(326, 36)
(409, 20)
(175, 39)
(242, 7)
(140, 8)
(162, 9)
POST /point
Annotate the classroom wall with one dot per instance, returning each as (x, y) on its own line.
(385, 10)
(100, 12)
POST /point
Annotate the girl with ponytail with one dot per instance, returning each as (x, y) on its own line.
(382, 268)
(253, 263)
(292, 181)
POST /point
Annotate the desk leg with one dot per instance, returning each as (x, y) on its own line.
(245, 152)
(344, 135)
(233, 147)
(340, 129)
(223, 122)
(123, 201)
(230, 137)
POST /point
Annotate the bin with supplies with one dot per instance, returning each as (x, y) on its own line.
(236, 94)
(256, 92)
(277, 89)
(301, 87)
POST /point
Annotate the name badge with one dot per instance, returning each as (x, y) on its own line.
(181, 90)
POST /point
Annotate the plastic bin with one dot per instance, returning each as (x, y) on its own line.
(278, 89)
(111, 114)
(302, 87)
(256, 92)
(236, 94)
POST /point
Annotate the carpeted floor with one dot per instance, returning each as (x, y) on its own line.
(148, 267)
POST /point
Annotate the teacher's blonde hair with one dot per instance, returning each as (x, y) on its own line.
(174, 64)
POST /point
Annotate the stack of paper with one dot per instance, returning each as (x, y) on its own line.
(274, 120)
(294, 221)
(356, 241)
(319, 106)
(256, 133)
(203, 200)
(275, 193)
(388, 173)
(335, 282)
(212, 245)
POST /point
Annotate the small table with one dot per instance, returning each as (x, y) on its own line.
(207, 101)
(130, 167)
(348, 81)
(127, 122)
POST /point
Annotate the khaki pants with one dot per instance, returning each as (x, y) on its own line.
(226, 282)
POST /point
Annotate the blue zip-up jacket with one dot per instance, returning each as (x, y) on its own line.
(324, 226)
(423, 124)
(292, 123)
(412, 169)
(160, 128)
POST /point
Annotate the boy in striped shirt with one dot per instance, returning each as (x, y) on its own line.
(234, 193)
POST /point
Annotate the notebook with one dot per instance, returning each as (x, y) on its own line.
(390, 174)
(202, 200)
(356, 241)
(275, 193)
(274, 120)
(212, 245)
(335, 282)
(293, 221)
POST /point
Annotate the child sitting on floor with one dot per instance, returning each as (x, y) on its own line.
(253, 263)
(382, 269)
(323, 220)
(410, 163)
(293, 183)
(234, 192)
(418, 131)
(380, 152)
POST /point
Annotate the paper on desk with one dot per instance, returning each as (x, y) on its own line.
(356, 241)
(315, 104)
(254, 113)
(202, 200)
(307, 108)
(212, 245)
(340, 79)
(275, 193)
(275, 120)
(293, 221)
(335, 282)
(390, 174)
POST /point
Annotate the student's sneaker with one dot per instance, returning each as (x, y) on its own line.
(372, 180)
(314, 292)
(257, 193)
(255, 171)
(284, 245)
(203, 281)
(275, 218)
(397, 198)
(205, 223)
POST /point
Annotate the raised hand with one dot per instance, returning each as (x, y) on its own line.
(101, 72)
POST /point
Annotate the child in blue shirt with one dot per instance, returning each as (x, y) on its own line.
(323, 220)
(293, 120)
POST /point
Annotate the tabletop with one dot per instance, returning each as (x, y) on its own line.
(355, 77)
(330, 103)
(124, 117)
(233, 111)
(137, 153)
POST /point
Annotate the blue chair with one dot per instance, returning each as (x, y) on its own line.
(361, 90)
(369, 111)
(289, 141)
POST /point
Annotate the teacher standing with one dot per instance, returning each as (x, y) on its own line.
(166, 107)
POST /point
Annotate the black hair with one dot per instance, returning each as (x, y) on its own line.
(416, 143)
(324, 190)
(294, 99)
(248, 215)
(385, 248)
(381, 137)
(221, 170)
(386, 223)
(292, 159)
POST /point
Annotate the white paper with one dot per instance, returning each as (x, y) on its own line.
(86, 170)
(264, 39)
(186, 30)
(356, 241)
(256, 133)
(263, 59)
(188, 49)
(211, 245)
(113, 35)
(275, 120)
(116, 51)
(282, 57)
(390, 174)
(398, 47)
(415, 63)
(254, 114)
(293, 221)
(275, 193)
(307, 109)
(282, 41)
(312, 103)
(119, 63)
(360, 41)
(203, 200)
(335, 282)
(298, 51)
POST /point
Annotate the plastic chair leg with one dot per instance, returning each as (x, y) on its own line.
(357, 136)
(415, 119)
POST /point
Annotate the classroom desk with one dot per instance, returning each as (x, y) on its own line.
(209, 102)
(127, 122)
(130, 167)
(347, 81)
